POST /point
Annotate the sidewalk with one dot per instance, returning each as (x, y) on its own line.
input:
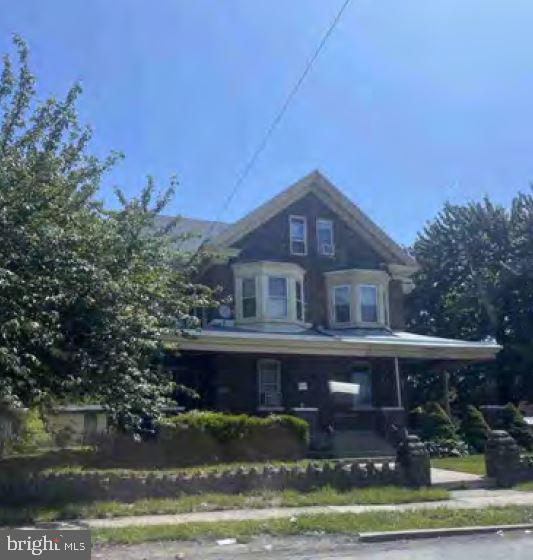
(460, 499)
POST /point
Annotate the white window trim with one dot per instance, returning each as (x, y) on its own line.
(379, 310)
(318, 248)
(333, 306)
(304, 220)
(278, 383)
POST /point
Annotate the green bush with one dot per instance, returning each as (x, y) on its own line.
(227, 427)
(474, 428)
(512, 421)
(435, 424)
(197, 438)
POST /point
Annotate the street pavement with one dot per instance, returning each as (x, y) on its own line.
(501, 546)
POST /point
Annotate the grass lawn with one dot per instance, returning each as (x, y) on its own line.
(325, 523)
(473, 464)
(214, 502)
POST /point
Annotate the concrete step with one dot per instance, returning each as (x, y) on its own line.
(360, 443)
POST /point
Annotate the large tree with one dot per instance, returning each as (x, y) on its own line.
(84, 292)
(475, 281)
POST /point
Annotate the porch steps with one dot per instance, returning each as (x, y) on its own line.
(360, 443)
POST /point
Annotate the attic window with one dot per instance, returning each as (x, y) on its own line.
(298, 235)
(324, 237)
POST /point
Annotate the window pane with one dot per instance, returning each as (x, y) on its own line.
(277, 287)
(248, 287)
(342, 304)
(277, 308)
(298, 247)
(297, 229)
(369, 304)
(248, 307)
(324, 232)
(270, 383)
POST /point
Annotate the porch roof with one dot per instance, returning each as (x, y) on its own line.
(339, 342)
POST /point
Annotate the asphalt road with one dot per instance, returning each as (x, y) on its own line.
(507, 546)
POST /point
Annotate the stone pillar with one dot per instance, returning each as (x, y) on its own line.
(502, 458)
(413, 460)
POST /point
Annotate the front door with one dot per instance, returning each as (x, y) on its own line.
(361, 381)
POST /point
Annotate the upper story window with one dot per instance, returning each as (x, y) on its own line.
(277, 304)
(249, 298)
(368, 303)
(358, 297)
(298, 235)
(269, 292)
(324, 237)
(342, 304)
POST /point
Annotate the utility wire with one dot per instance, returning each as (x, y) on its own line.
(277, 119)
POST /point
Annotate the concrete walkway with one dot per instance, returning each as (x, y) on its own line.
(445, 478)
(460, 499)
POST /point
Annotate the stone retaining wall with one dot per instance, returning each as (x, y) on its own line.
(411, 468)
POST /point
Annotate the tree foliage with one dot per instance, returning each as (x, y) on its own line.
(476, 281)
(85, 293)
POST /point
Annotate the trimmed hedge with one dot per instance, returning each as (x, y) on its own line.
(474, 428)
(199, 438)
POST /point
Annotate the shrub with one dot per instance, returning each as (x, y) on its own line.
(435, 424)
(196, 438)
(474, 428)
(512, 421)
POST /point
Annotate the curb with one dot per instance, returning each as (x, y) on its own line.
(444, 532)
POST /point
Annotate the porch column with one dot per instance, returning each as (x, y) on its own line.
(398, 384)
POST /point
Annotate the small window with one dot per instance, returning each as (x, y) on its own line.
(341, 304)
(299, 302)
(269, 382)
(249, 299)
(277, 297)
(324, 237)
(298, 235)
(369, 304)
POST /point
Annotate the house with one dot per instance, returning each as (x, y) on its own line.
(316, 323)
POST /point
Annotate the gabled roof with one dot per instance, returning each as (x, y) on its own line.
(317, 184)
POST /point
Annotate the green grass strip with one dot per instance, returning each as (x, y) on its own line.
(215, 502)
(346, 523)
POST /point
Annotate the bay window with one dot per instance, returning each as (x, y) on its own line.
(358, 297)
(269, 292)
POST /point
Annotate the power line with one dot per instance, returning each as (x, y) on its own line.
(277, 119)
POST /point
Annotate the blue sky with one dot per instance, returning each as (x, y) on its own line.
(410, 104)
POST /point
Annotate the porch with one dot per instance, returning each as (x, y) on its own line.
(347, 384)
